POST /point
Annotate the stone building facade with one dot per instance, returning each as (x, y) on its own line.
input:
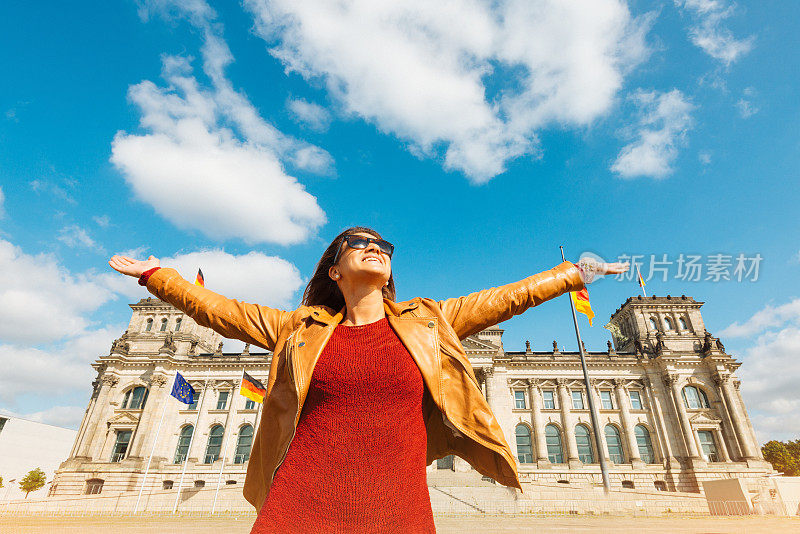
(667, 396)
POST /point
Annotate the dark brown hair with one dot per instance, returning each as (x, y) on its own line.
(321, 289)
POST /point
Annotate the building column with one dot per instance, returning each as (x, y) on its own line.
(664, 450)
(142, 439)
(534, 392)
(752, 431)
(87, 419)
(594, 392)
(723, 450)
(686, 426)
(738, 418)
(199, 442)
(728, 432)
(102, 406)
(565, 403)
(627, 426)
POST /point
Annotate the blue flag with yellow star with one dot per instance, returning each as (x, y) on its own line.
(182, 390)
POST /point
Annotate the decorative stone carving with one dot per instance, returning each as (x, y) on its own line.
(193, 347)
(120, 346)
(620, 382)
(707, 339)
(562, 381)
(720, 346)
(246, 349)
(611, 350)
(109, 380)
(660, 344)
(169, 343)
(670, 379)
(527, 346)
(158, 381)
(488, 371)
(555, 346)
(218, 352)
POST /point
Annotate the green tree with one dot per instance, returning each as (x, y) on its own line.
(784, 457)
(33, 481)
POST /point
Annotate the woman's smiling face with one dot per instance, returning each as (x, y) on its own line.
(367, 264)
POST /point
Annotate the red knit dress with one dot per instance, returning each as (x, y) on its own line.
(357, 460)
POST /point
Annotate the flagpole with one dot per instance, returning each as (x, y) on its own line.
(152, 450)
(640, 280)
(227, 441)
(191, 440)
(589, 398)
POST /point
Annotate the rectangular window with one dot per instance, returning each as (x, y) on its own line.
(250, 405)
(605, 400)
(121, 445)
(222, 400)
(193, 405)
(708, 445)
(636, 400)
(519, 400)
(549, 399)
(577, 400)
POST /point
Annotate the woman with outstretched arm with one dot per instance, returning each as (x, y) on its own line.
(363, 391)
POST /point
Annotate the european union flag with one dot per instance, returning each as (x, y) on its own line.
(182, 390)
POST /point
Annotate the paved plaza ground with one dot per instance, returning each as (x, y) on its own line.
(444, 525)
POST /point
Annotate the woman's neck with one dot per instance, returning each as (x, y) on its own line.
(364, 306)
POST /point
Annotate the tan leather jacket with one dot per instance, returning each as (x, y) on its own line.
(457, 417)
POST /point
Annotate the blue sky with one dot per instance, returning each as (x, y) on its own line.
(242, 138)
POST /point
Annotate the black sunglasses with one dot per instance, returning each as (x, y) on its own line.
(356, 241)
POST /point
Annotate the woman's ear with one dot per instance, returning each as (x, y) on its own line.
(333, 273)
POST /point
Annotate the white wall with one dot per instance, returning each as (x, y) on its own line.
(26, 445)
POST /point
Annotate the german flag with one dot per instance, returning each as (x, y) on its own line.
(199, 281)
(581, 300)
(641, 280)
(252, 389)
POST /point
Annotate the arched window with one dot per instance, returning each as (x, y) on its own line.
(178, 322)
(183, 444)
(667, 323)
(199, 483)
(94, 486)
(553, 439)
(135, 398)
(214, 443)
(653, 323)
(660, 485)
(148, 324)
(627, 484)
(584, 442)
(644, 444)
(243, 444)
(163, 324)
(167, 484)
(614, 443)
(695, 398)
(230, 482)
(682, 322)
(524, 452)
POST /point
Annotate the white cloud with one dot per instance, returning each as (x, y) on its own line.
(773, 398)
(102, 220)
(664, 119)
(44, 302)
(252, 277)
(745, 105)
(75, 236)
(210, 162)
(313, 116)
(704, 156)
(769, 370)
(421, 70)
(60, 368)
(768, 317)
(709, 32)
(63, 416)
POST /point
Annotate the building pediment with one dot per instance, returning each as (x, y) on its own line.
(473, 343)
(124, 418)
(704, 418)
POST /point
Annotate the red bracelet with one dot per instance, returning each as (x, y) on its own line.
(146, 275)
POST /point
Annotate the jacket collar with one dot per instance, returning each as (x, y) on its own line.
(325, 315)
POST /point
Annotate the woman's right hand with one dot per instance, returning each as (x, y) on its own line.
(132, 267)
